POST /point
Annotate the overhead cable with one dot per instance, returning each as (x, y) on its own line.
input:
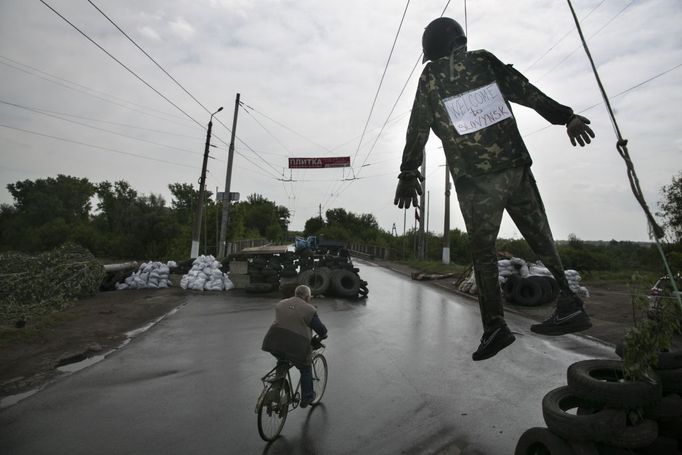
(94, 94)
(381, 81)
(36, 133)
(53, 115)
(121, 63)
(560, 39)
(149, 56)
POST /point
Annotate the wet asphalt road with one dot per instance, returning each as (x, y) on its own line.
(401, 380)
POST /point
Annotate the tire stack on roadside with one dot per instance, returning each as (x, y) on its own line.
(532, 290)
(599, 412)
(334, 276)
(532, 284)
(264, 274)
(288, 276)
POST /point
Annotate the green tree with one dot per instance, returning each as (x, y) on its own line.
(313, 226)
(43, 200)
(46, 213)
(184, 200)
(671, 208)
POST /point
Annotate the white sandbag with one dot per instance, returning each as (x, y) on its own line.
(228, 283)
(197, 284)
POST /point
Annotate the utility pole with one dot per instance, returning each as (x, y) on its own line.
(446, 227)
(428, 209)
(320, 211)
(217, 213)
(421, 250)
(228, 178)
(196, 229)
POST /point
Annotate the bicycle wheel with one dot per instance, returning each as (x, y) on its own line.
(273, 411)
(319, 377)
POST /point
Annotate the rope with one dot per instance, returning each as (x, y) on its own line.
(622, 148)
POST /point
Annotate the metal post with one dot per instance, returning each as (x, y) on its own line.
(422, 203)
(446, 227)
(228, 178)
(217, 240)
(196, 229)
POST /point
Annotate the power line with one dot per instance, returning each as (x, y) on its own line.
(122, 64)
(341, 190)
(167, 74)
(149, 56)
(381, 81)
(636, 86)
(95, 146)
(94, 95)
(285, 127)
(561, 39)
(53, 115)
(577, 48)
(243, 106)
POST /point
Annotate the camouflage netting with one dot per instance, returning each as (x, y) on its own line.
(36, 285)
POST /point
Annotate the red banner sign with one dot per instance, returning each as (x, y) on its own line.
(319, 163)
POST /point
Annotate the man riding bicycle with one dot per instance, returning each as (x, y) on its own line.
(289, 337)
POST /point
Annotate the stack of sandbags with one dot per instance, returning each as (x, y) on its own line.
(154, 275)
(538, 269)
(206, 274)
(469, 284)
(517, 266)
(574, 278)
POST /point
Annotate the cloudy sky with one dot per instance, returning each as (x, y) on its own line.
(308, 72)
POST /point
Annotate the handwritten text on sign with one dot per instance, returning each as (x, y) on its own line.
(477, 109)
(319, 163)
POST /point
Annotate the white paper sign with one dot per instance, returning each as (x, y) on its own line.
(477, 109)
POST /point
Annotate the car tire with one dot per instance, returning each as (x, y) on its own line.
(593, 426)
(528, 293)
(316, 279)
(345, 283)
(602, 381)
(541, 440)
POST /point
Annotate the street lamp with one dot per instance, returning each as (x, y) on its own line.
(196, 228)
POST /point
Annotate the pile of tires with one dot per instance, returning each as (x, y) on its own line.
(262, 272)
(334, 276)
(531, 290)
(599, 412)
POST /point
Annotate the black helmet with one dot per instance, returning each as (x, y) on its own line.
(440, 36)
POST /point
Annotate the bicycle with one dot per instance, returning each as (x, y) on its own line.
(277, 399)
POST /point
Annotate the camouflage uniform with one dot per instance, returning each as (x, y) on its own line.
(487, 158)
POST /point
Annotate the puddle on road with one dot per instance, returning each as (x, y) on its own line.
(14, 399)
(75, 366)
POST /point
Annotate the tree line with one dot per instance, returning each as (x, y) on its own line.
(114, 221)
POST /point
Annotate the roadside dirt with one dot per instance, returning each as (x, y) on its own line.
(92, 326)
(99, 324)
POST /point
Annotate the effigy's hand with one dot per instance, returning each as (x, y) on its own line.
(578, 131)
(408, 189)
